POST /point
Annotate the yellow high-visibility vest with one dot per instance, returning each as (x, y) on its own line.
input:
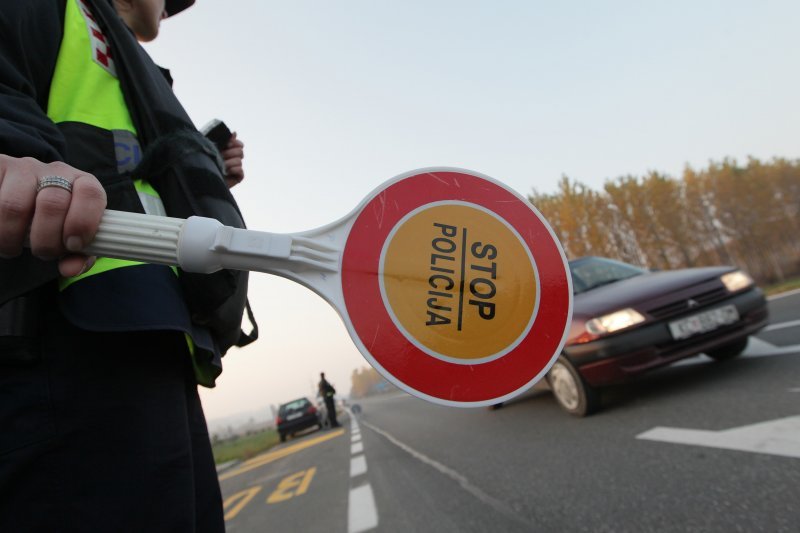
(85, 61)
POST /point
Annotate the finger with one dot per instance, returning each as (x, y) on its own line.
(234, 142)
(234, 176)
(235, 171)
(233, 153)
(51, 204)
(84, 214)
(232, 163)
(17, 200)
(75, 265)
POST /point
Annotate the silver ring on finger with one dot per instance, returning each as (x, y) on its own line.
(54, 181)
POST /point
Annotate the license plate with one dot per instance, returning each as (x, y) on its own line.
(294, 416)
(703, 322)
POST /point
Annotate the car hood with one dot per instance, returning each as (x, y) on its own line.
(640, 290)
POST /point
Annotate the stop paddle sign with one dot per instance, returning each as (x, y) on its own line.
(455, 288)
(451, 285)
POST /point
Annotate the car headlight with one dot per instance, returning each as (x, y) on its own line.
(614, 321)
(737, 280)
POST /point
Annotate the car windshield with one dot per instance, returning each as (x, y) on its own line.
(296, 405)
(592, 272)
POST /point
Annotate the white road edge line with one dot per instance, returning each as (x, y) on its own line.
(782, 325)
(783, 294)
(496, 504)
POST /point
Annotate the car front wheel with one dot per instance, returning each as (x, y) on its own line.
(573, 394)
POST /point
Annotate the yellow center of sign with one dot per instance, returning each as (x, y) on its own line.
(459, 281)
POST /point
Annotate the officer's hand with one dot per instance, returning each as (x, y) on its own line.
(232, 156)
(60, 222)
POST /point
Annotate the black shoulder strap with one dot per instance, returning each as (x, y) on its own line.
(247, 338)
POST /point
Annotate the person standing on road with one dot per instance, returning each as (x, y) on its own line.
(327, 392)
(102, 426)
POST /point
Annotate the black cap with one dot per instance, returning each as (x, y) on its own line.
(174, 7)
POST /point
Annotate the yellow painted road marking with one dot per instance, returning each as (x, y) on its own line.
(268, 457)
(300, 481)
(240, 499)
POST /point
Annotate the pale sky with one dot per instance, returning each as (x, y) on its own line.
(332, 98)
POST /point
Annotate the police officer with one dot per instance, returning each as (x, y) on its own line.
(102, 427)
(326, 390)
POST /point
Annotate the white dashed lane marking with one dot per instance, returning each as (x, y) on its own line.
(358, 465)
(362, 514)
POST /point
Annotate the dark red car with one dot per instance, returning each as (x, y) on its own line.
(627, 320)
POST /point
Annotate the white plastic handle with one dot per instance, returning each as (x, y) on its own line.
(204, 245)
(148, 238)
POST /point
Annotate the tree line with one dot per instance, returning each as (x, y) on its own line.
(365, 381)
(724, 214)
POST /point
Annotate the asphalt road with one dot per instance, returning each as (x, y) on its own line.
(700, 446)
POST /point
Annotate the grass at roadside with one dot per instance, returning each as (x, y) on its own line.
(245, 447)
(788, 285)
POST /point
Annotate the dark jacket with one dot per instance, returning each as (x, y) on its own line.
(326, 390)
